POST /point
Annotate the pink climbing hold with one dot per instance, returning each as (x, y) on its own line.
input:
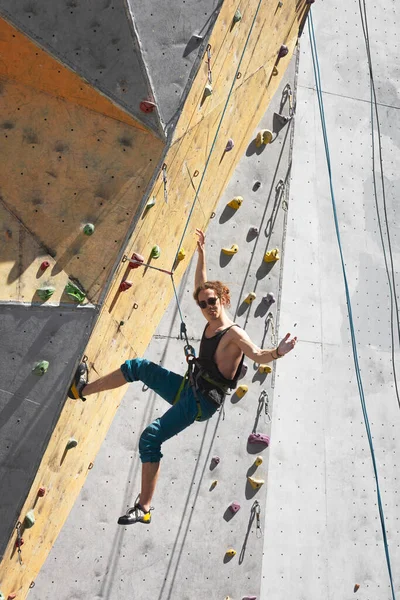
(125, 285)
(216, 460)
(229, 145)
(234, 507)
(139, 261)
(41, 492)
(147, 106)
(258, 438)
(45, 265)
(283, 51)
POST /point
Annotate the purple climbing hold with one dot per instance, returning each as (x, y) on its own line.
(254, 231)
(229, 145)
(269, 298)
(216, 460)
(249, 598)
(234, 507)
(283, 50)
(258, 438)
(243, 371)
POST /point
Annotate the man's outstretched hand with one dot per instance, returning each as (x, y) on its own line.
(201, 240)
(286, 345)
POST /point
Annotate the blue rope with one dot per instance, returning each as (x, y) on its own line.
(217, 132)
(317, 76)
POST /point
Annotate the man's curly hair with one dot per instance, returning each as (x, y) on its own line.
(219, 288)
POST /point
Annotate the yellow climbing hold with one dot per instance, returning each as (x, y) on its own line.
(263, 137)
(241, 391)
(264, 369)
(230, 552)
(250, 298)
(258, 461)
(231, 251)
(214, 483)
(181, 254)
(255, 483)
(275, 71)
(272, 255)
(236, 202)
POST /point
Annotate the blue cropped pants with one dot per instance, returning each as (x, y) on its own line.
(181, 414)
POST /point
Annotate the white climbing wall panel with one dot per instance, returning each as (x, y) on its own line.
(323, 532)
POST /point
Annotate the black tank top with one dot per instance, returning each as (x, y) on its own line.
(208, 348)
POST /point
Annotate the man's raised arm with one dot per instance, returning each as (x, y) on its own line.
(201, 270)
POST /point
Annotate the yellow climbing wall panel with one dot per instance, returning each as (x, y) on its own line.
(63, 165)
(142, 306)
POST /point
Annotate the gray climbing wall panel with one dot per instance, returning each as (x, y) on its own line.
(147, 50)
(182, 553)
(328, 537)
(167, 33)
(30, 404)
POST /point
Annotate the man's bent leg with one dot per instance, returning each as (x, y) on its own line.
(150, 471)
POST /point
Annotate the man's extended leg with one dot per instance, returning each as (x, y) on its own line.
(150, 471)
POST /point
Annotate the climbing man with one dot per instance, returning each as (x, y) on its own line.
(193, 397)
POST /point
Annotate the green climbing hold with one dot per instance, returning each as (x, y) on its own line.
(41, 367)
(237, 17)
(151, 202)
(45, 293)
(155, 252)
(75, 293)
(29, 520)
(88, 229)
(72, 443)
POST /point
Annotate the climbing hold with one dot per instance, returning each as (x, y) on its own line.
(275, 71)
(310, 1)
(45, 265)
(213, 485)
(243, 371)
(269, 298)
(258, 438)
(151, 202)
(272, 255)
(88, 229)
(208, 90)
(237, 17)
(256, 186)
(242, 391)
(229, 145)
(230, 552)
(236, 202)
(283, 51)
(41, 492)
(258, 461)
(264, 369)
(19, 542)
(72, 443)
(250, 298)
(356, 587)
(125, 285)
(216, 460)
(45, 293)
(155, 252)
(12, 596)
(234, 507)
(29, 520)
(41, 367)
(147, 106)
(75, 293)
(230, 251)
(2, 597)
(249, 598)
(254, 231)
(181, 254)
(263, 137)
(139, 260)
(255, 483)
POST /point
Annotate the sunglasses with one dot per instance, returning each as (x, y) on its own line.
(210, 302)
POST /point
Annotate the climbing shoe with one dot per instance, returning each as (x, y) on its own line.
(136, 514)
(79, 382)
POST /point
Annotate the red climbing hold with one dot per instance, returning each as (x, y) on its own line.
(283, 50)
(234, 507)
(45, 265)
(139, 261)
(147, 106)
(19, 542)
(258, 438)
(41, 492)
(12, 596)
(125, 285)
